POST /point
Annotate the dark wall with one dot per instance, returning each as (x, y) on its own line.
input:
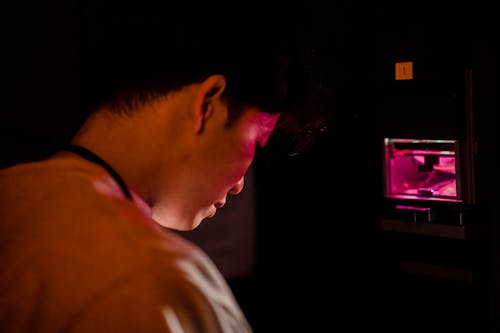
(37, 91)
(320, 260)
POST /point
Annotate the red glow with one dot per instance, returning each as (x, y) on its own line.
(427, 172)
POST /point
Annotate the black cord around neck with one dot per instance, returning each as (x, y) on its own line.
(92, 157)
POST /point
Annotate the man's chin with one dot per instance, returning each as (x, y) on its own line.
(177, 225)
(184, 224)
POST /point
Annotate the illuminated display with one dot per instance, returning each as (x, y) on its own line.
(421, 169)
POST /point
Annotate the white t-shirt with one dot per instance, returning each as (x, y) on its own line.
(77, 256)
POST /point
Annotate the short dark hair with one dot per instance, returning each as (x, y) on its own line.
(129, 51)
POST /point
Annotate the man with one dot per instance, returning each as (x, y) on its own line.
(175, 121)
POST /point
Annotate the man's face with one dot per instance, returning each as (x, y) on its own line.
(215, 168)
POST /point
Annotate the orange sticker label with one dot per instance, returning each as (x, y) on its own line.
(404, 70)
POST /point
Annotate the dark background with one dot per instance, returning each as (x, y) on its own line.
(320, 260)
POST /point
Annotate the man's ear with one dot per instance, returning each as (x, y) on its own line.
(210, 90)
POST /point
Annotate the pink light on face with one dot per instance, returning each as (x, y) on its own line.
(266, 125)
(258, 127)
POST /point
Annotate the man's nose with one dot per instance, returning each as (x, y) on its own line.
(238, 187)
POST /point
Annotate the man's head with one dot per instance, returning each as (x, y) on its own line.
(225, 76)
